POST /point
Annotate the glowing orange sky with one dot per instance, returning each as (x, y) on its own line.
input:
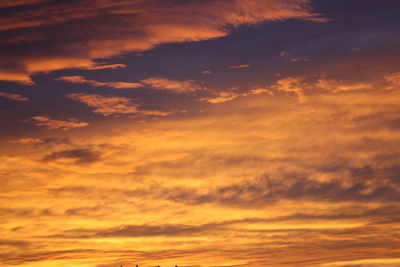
(199, 133)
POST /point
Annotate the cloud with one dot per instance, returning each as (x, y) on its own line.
(299, 59)
(29, 141)
(178, 87)
(243, 66)
(367, 262)
(206, 72)
(393, 79)
(149, 230)
(15, 97)
(221, 97)
(204, 181)
(226, 96)
(6, 3)
(293, 85)
(106, 66)
(113, 105)
(99, 29)
(300, 87)
(107, 105)
(175, 86)
(21, 78)
(78, 156)
(293, 59)
(336, 86)
(57, 124)
(83, 80)
(42, 141)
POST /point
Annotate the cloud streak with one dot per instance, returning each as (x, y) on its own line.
(57, 124)
(83, 80)
(174, 86)
(106, 105)
(15, 97)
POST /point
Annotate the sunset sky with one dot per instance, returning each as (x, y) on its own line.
(199, 133)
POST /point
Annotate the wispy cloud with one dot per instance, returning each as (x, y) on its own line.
(175, 86)
(115, 85)
(226, 96)
(20, 3)
(106, 66)
(293, 59)
(293, 85)
(58, 124)
(107, 105)
(393, 79)
(243, 66)
(335, 86)
(299, 59)
(77, 156)
(25, 141)
(15, 97)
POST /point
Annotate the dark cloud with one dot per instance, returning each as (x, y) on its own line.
(79, 156)
(14, 243)
(147, 230)
(266, 192)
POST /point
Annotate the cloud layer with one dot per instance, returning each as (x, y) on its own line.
(298, 182)
(77, 33)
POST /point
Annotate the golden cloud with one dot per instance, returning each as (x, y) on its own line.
(194, 189)
(226, 96)
(243, 66)
(83, 80)
(107, 105)
(174, 86)
(57, 124)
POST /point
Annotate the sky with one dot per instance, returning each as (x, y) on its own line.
(199, 133)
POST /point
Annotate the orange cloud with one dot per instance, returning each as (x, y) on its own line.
(57, 124)
(107, 105)
(326, 170)
(114, 105)
(15, 77)
(393, 79)
(243, 66)
(336, 86)
(222, 97)
(7, 3)
(292, 85)
(283, 53)
(15, 97)
(106, 66)
(83, 80)
(174, 86)
(25, 141)
(299, 59)
(118, 27)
